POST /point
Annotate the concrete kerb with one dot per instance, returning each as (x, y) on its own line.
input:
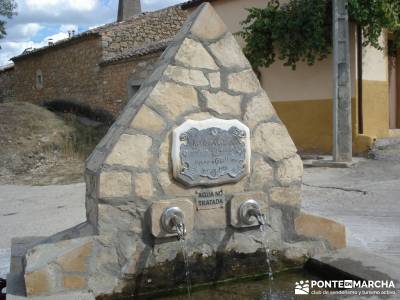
(354, 264)
(325, 161)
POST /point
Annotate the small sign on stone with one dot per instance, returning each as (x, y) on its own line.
(210, 199)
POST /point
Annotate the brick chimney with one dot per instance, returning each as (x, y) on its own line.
(128, 8)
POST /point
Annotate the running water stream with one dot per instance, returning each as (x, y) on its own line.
(187, 267)
(265, 243)
(182, 242)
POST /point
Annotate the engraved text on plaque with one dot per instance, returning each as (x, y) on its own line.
(211, 152)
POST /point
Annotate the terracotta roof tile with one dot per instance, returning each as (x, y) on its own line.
(142, 31)
(138, 52)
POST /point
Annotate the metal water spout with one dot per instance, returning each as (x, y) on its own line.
(250, 213)
(181, 230)
(172, 221)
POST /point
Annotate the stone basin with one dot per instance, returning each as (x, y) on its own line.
(255, 288)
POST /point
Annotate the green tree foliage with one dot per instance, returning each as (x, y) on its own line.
(301, 30)
(7, 9)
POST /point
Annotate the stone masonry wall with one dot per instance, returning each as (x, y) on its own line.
(7, 91)
(69, 73)
(203, 74)
(141, 30)
(75, 73)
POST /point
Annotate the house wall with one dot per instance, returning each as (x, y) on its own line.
(303, 98)
(69, 73)
(117, 77)
(376, 90)
(7, 85)
(75, 73)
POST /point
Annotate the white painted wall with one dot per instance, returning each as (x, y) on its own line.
(281, 83)
(375, 62)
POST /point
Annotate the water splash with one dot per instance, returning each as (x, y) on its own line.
(182, 243)
(265, 243)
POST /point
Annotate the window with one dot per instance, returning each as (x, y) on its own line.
(39, 79)
(133, 87)
(133, 90)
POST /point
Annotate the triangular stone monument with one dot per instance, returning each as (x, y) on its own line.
(200, 136)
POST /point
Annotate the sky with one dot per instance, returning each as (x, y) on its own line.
(40, 20)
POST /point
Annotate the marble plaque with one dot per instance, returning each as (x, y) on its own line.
(211, 152)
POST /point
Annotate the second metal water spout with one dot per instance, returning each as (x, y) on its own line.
(261, 219)
(250, 213)
(181, 231)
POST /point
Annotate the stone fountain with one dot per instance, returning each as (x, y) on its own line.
(199, 152)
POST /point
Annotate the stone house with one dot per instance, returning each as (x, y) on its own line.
(7, 82)
(105, 66)
(101, 68)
